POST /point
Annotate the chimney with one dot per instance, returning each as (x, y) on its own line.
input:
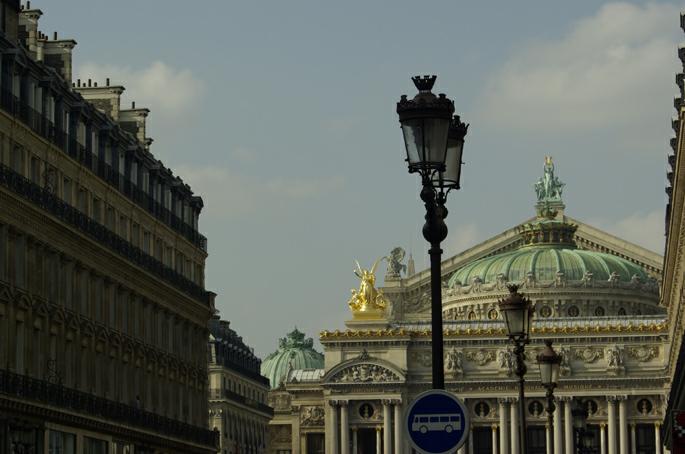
(133, 120)
(106, 99)
(57, 54)
(28, 28)
(11, 10)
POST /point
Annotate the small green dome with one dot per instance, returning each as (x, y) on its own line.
(545, 261)
(294, 352)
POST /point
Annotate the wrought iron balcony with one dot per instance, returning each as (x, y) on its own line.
(225, 394)
(48, 201)
(59, 396)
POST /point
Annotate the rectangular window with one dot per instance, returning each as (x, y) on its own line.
(61, 443)
(67, 191)
(123, 227)
(146, 242)
(83, 200)
(35, 170)
(97, 210)
(17, 159)
(110, 221)
(135, 234)
(94, 446)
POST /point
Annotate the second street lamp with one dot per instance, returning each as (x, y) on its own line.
(549, 362)
(583, 438)
(517, 312)
(434, 142)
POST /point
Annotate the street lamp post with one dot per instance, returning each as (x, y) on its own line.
(434, 141)
(549, 362)
(583, 437)
(517, 312)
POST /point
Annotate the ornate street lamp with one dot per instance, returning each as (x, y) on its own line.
(434, 142)
(518, 312)
(549, 362)
(579, 416)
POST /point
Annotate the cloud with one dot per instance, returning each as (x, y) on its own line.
(612, 69)
(167, 91)
(463, 237)
(229, 193)
(643, 229)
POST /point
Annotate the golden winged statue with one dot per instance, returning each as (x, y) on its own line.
(368, 300)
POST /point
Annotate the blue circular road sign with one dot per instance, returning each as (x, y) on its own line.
(437, 422)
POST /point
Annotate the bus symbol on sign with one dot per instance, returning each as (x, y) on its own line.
(436, 422)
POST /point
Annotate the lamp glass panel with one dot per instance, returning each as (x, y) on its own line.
(450, 177)
(435, 130)
(555, 373)
(413, 140)
(546, 376)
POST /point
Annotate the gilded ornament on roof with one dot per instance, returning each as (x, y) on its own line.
(368, 301)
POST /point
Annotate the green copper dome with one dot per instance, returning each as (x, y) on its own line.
(294, 352)
(545, 262)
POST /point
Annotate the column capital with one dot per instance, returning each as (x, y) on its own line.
(564, 398)
(602, 425)
(354, 429)
(333, 403)
(657, 424)
(503, 400)
(343, 403)
(378, 429)
(494, 427)
(612, 399)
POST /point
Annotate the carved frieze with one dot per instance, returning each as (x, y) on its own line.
(643, 353)
(480, 356)
(421, 357)
(363, 373)
(312, 416)
(589, 354)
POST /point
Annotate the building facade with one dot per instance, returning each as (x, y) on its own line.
(674, 278)
(103, 310)
(238, 393)
(594, 295)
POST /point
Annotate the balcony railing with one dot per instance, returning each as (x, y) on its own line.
(45, 199)
(57, 395)
(45, 128)
(219, 394)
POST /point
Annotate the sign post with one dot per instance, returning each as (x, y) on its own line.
(437, 422)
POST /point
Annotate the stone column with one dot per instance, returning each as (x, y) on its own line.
(344, 429)
(398, 427)
(611, 422)
(568, 426)
(657, 437)
(558, 440)
(514, 427)
(335, 426)
(548, 439)
(354, 440)
(462, 450)
(494, 439)
(503, 433)
(602, 438)
(633, 445)
(378, 440)
(623, 424)
(387, 428)
(470, 440)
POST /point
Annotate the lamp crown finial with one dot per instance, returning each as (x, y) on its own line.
(425, 83)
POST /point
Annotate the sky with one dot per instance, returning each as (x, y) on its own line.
(281, 115)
